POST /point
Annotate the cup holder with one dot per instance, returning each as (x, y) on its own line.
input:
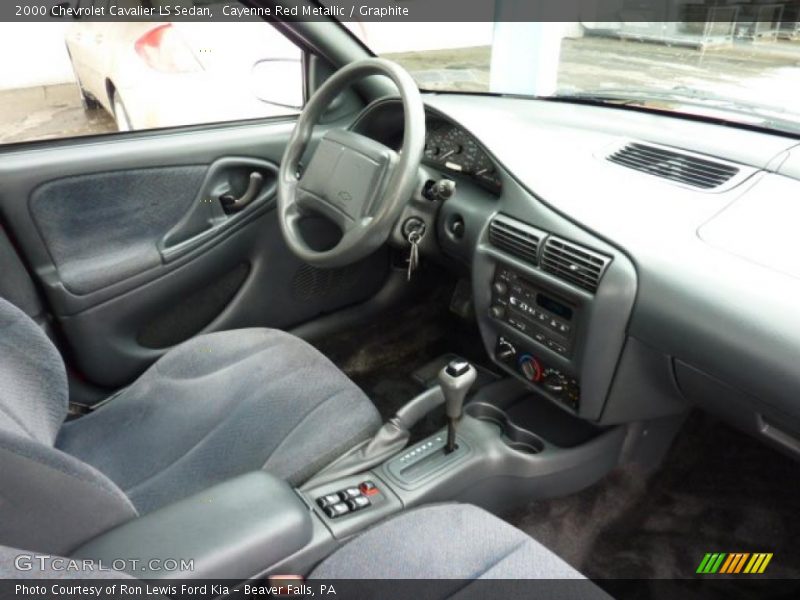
(514, 437)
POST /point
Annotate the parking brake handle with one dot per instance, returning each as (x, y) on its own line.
(232, 204)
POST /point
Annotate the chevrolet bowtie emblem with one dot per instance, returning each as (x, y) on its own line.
(344, 196)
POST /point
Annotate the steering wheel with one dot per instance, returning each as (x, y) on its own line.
(355, 182)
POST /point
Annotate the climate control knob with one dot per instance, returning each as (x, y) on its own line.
(505, 351)
(530, 368)
(554, 381)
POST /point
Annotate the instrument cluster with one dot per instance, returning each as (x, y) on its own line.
(450, 147)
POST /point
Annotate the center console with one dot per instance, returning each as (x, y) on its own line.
(553, 310)
(544, 318)
(503, 447)
(541, 337)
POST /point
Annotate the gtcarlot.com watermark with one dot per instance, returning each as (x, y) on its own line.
(57, 564)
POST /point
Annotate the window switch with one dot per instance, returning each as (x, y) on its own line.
(350, 492)
(358, 503)
(336, 510)
(327, 500)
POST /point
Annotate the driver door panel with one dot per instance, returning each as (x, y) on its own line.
(128, 240)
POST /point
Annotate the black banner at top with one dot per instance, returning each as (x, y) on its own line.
(594, 11)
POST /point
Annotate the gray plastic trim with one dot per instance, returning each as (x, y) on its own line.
(231, 531)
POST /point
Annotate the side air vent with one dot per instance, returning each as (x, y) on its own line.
(574, 263)
(516, 238)
(687, 169)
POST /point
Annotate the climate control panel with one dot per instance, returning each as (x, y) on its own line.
(556, 384)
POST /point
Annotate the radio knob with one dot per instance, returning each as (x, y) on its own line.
(498, 311)
(530, 368)
(500, 288)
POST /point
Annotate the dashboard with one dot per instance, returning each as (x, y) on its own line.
(692, 292)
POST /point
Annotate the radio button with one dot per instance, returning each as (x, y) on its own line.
(517, 324)
(497, 311)
(500, 288)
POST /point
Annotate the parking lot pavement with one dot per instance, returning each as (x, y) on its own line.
(765, 73)
(48, 112)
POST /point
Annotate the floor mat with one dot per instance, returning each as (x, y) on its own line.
(718, 491)
(384, 357)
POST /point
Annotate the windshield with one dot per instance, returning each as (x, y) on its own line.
(745, 72)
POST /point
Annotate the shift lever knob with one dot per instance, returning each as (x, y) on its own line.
(455, 379)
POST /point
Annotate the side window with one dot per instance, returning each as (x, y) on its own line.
(82, 77)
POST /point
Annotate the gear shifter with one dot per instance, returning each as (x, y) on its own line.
(455, 379)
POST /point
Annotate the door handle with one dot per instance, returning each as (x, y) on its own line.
(216, 211)
(232, 204)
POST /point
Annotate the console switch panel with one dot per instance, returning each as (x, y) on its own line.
(348, 500)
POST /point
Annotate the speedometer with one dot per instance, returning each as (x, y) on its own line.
(452, 145)
(453, 148)
(434, 141)
(472, 155)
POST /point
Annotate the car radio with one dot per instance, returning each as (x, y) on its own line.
(538, 315)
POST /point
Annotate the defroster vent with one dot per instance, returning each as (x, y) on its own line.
(687, 169)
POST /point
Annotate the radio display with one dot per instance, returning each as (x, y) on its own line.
(563, 311)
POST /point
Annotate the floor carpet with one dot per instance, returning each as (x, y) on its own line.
(382, 358)
(717, 491)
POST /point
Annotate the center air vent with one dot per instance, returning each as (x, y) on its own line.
(687, 169)
(574, 263)
(516, 238)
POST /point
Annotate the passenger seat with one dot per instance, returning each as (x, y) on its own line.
(456, 542)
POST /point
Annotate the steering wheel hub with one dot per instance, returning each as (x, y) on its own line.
(355, 182)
